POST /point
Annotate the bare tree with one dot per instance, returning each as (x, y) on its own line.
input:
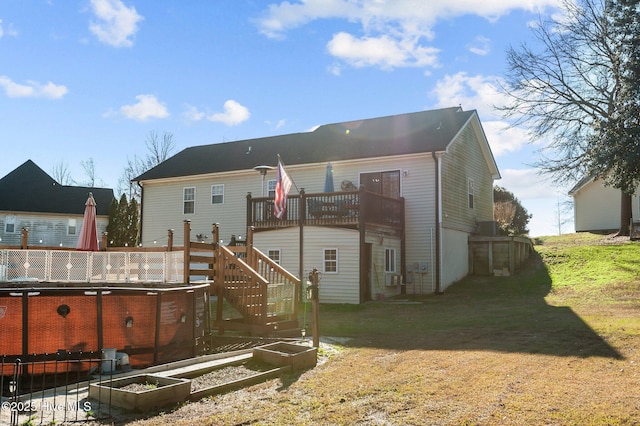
(569, 93)
(61, 173)
(158, 150)
(563, 211)
(89, 168)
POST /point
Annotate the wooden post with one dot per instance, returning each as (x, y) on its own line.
(170, 240)
(250, 254)
(302, 209)
(218, 276)
(490, 257)
(315, 307)
(24, 238)
(187, 249)
(512, 254)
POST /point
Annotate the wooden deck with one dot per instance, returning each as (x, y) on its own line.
(350, 209)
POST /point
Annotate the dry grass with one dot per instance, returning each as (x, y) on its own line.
(492, 351)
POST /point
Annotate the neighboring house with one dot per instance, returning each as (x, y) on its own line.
(596, 207)
(427, 185)
(53, 213)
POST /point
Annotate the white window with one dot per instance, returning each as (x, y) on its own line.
(271, 188)
(217, 194)
(274, 254)
(10, 224)
(471, 192)
(71, 227)
(330, 261)
(390, 260)
(189, 200)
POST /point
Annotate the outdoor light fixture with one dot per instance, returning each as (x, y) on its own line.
(263, 172)
(128, 322)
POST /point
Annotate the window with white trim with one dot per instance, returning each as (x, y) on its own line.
(217, 194)
(71, 227)
(10, 224)
(189, 200)
(390, 260)
(274, 254)
(471, 192)
(271, 188)
(330, 261)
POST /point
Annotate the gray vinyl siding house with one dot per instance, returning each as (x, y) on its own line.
(52, 213)
(436, 164)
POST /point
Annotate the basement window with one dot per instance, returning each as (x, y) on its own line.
(330, 261)
(274, 254)
(390, 260)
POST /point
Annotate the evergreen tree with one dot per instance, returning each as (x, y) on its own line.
(113, 226)
(132, 222)
(123, 223)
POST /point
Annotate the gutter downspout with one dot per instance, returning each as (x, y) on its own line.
(141, 208)
(437, 157)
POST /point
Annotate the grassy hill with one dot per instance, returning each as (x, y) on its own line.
(556, 344)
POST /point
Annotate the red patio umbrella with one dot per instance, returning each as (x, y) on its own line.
(88, 240)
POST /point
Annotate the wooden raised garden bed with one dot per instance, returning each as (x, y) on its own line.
(142, 392)
(281, 354)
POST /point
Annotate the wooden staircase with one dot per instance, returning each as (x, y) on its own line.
(261, 291)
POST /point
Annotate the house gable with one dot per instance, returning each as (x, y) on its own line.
(29, 189)
(468, 174)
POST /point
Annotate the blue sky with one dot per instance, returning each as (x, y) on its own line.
(90, 79)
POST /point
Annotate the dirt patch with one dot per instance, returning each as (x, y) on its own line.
(228, 374)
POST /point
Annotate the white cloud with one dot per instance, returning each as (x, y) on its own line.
(233, 114)
(504, 138)
(528, 184)
(115, 23)
(383, 51)
(191, 113)
(480, 46)
(147, 107)
(394, 32)
(7, 30)
(32, 89)
(464, 89)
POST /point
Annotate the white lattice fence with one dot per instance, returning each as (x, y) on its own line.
(90, 267)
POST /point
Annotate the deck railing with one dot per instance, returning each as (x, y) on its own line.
(346, 208)
(282, 288)
(67, 266)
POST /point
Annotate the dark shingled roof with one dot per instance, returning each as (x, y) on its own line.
(29, 189)
(426, 131)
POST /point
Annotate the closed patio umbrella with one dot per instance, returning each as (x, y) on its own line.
(328, 179)
(88, 240)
